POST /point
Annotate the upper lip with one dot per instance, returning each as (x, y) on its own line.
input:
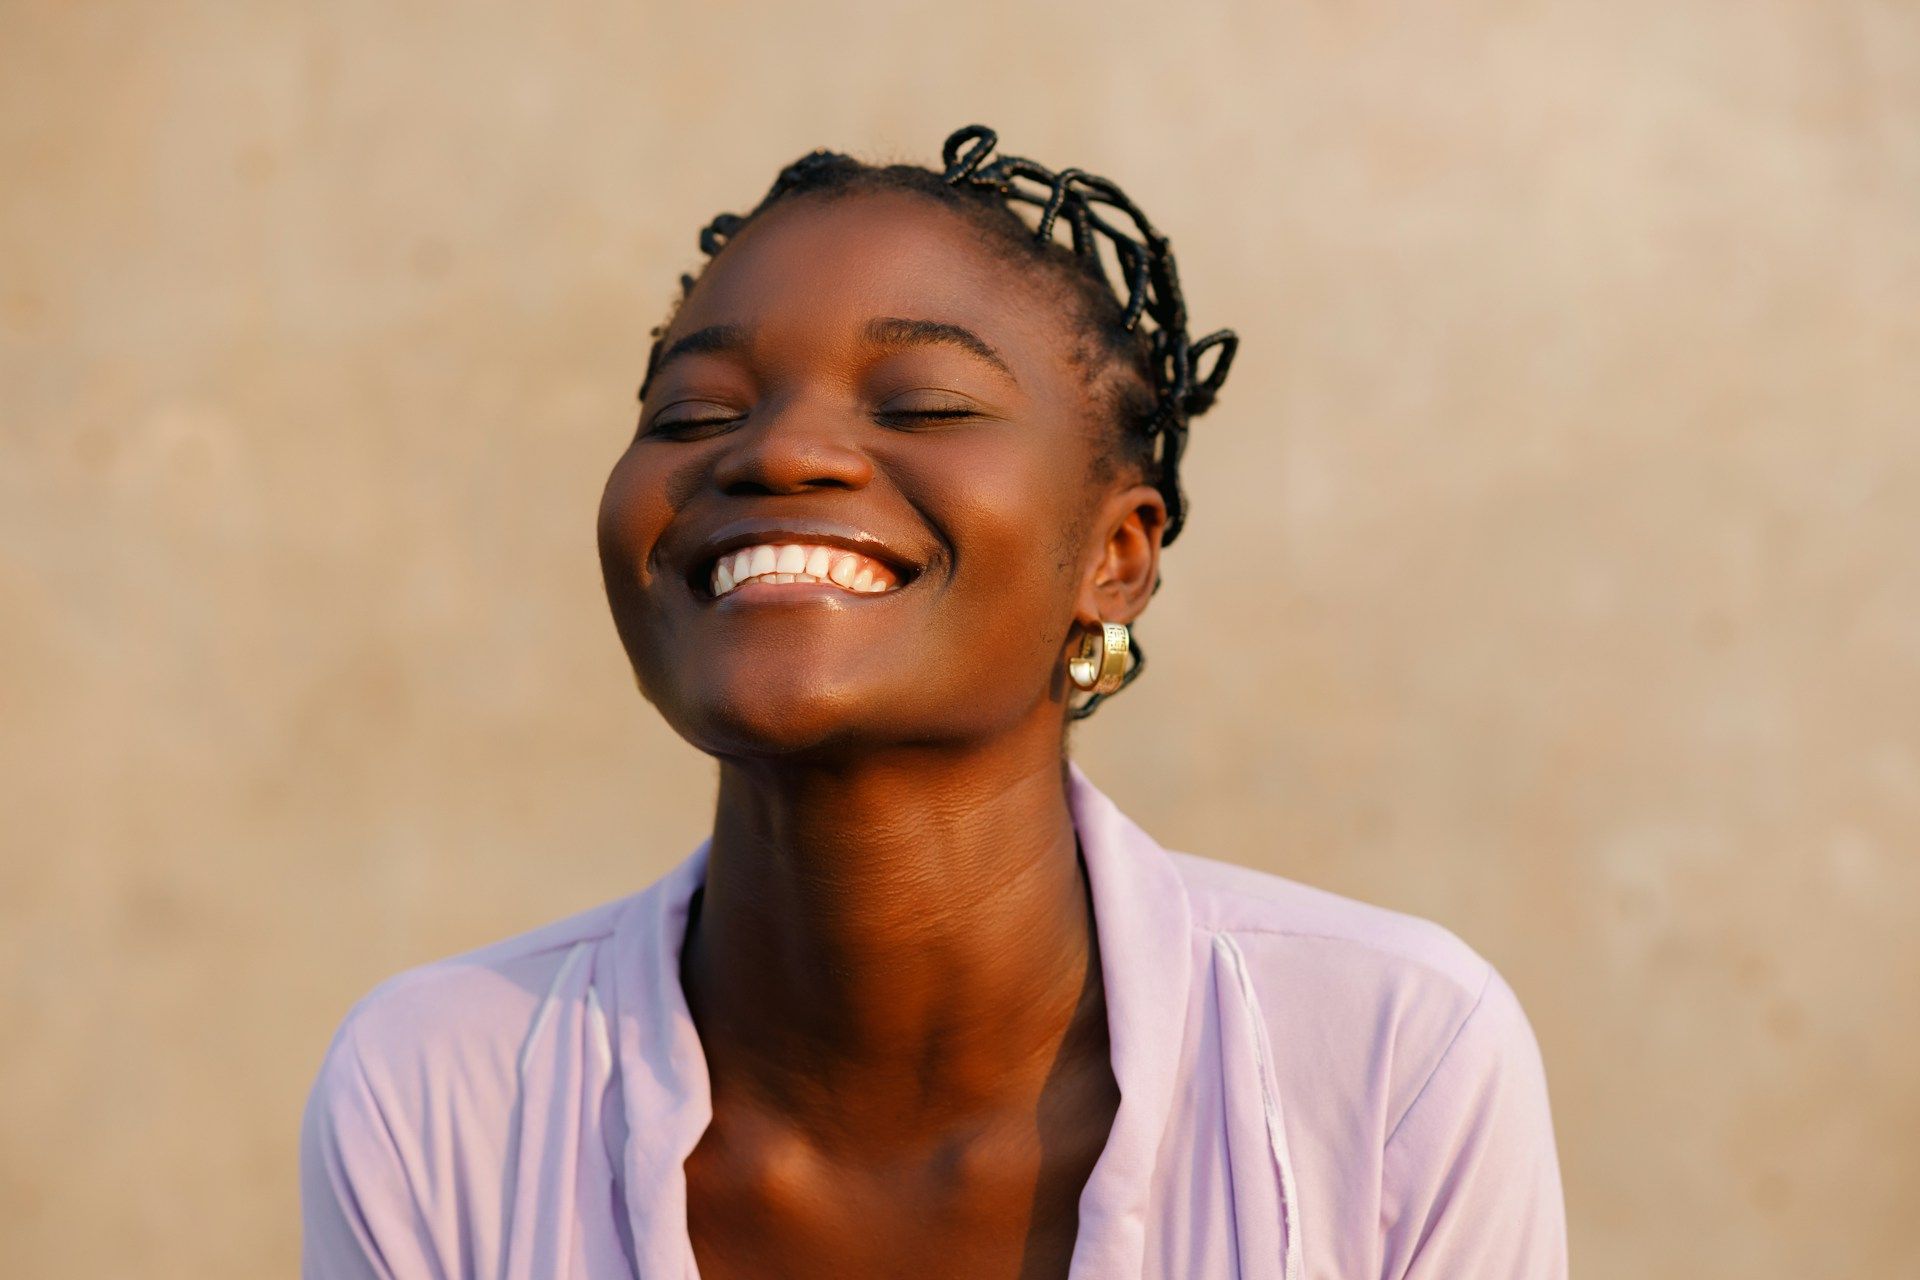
(755, 532)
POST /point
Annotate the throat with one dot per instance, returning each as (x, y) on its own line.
(862, 1179)
(897, 950)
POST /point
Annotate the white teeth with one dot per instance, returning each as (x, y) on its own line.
(791, 562)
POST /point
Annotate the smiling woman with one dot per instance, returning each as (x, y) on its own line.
(925, 1002)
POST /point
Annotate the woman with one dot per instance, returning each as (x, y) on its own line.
(926, 1003)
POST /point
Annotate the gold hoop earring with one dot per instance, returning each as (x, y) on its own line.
(1100, 666)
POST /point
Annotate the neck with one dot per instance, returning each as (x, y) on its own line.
(906, 937)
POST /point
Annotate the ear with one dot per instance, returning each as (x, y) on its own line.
(1126, 562)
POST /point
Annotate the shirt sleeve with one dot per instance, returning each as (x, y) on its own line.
(359, 1217)
(1471, 1181)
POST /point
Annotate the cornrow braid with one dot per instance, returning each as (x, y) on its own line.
(1152, 285)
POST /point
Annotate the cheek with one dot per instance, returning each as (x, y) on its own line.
(636, 507)
(1010, 513)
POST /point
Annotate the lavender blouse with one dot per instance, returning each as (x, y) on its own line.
(1311, 1089)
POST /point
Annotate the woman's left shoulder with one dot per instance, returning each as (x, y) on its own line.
(1264, 912)
(1387, 995)
(1405, 1068)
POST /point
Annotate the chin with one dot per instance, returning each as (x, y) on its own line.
(777, 720)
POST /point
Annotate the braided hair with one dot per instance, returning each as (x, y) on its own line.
(1133, 326)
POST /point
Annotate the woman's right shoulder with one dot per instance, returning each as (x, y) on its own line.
(461, 1020)
(417, 1096)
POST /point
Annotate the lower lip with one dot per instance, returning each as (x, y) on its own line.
(752, 593)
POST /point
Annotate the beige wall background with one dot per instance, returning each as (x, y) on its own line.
(1552, 571)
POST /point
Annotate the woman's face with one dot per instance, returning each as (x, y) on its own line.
(863, 378)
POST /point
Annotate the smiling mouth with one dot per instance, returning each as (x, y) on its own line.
(779, 564)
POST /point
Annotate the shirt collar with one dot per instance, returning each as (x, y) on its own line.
(665, 1090)
(1142, 922)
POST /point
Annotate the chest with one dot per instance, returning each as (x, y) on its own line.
(999, 1204)
(872, 1231)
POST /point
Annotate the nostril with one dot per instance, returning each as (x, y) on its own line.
(762, 485)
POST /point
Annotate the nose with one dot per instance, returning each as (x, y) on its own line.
(791, 449)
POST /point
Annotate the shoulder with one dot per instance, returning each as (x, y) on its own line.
(1401, 1052)
(1245, 903)
(1383, 996)
(413, 1111)
(458, 1021)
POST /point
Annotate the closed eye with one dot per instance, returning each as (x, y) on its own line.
(674, 423)
(891, 416)
(690, 426)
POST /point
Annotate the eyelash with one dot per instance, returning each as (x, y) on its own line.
(929, 415)
(684, 426)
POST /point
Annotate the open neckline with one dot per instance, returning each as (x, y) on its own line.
(1142, 927)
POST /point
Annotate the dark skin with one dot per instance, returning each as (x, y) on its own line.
(892, 965)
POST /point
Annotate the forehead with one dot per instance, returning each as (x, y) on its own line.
(831, 264)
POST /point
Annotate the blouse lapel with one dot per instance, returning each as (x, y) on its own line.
(1143, 924)
(664, 1082)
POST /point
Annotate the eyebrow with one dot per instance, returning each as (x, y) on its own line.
(713, 338)
(892, 331)
(882, 331)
